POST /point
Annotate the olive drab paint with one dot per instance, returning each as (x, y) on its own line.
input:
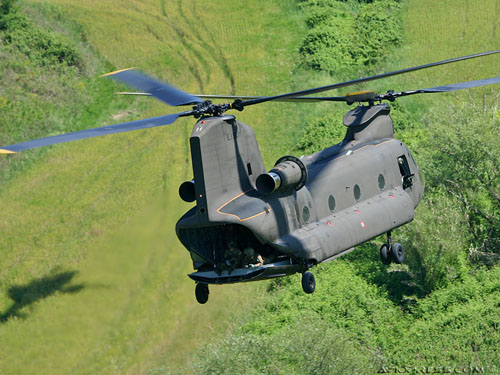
(295, 225)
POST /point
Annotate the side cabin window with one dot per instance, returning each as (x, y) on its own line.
(331, 203)
(381, 182)
(357, 193)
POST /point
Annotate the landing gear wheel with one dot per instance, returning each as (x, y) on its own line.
(201, 291)
(397, 253)
(385, 255)
(308, 282)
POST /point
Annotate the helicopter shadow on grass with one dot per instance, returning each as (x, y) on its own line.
(26, 295)
(401, 287)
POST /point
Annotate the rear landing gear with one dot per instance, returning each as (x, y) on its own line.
(391, 252)
(201, 291)
(397, 253)
(308, 282)
(385, 254)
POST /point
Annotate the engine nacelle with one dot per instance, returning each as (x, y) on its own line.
(288, 173)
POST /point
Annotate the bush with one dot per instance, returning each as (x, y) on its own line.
(6, 7)
(322, 132)
(436, 242)
(42, 47)
(346, 37)
(349, 326)
(49, 82)
(308, 346)
(462, 158)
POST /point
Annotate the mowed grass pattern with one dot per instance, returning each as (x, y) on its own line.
(93, 277)
(438, 30)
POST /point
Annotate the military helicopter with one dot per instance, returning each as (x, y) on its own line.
(251, 224)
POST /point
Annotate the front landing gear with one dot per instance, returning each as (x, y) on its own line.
(201, 291)
(308, 282)
(391, 252)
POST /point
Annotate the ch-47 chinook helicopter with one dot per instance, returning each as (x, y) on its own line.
(252, 224)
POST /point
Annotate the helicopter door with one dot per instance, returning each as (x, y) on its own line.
(404, 169)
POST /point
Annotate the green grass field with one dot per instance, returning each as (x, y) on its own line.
(92, 277)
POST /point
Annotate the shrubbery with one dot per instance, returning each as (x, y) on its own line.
(322, 132)
(306, 346)
(463, 158)
(349, 36)
(350, 326)
(40, 46)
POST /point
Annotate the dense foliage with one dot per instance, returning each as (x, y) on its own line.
(349, 36)
(307, 345)
(464, 159)
(457, 227)
(359, 320)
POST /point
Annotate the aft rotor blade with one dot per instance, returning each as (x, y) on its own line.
(361, 80)
(97, 132)
(160, 90)
(445, 88)
(462, 86)
(304, 99)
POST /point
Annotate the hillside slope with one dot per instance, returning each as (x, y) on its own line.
(93, 277)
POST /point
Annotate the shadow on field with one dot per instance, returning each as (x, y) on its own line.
(26, 295)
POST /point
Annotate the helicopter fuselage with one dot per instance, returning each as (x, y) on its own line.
(317, 207)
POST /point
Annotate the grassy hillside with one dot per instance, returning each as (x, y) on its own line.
(93, 278)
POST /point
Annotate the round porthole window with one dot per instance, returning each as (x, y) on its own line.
(331, 203)
(357, 192)
(381, 181)
(306, 215)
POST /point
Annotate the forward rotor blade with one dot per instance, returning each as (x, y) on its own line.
(160, 90)
(97, 132)
(360, 80)
(304, 99)
(300, 99)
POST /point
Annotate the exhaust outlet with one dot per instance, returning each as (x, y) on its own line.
(288, 173)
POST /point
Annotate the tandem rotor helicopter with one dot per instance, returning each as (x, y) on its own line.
(251, 224)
